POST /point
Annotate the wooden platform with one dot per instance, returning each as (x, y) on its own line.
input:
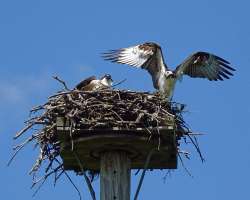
(89, 144)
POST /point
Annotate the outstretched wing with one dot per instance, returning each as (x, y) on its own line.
(205, 65)
(85, 82)
(146, 56)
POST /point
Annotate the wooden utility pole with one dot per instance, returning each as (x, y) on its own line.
(115, 152)
(115, 175)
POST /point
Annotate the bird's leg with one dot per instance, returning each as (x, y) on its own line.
(162, 95)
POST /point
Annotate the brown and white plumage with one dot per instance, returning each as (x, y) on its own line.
(149, 56)
(205, 65)
(92, 83)
(146, 56)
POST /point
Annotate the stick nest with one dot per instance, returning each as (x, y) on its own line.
(111, 108)
(93, 110)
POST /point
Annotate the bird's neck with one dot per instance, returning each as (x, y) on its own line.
(106, 82)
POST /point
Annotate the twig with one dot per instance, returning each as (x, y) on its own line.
(71, 135)
(39, 187)
(167, 174)
(19, 148)
(61, 81)
(24, 130)
(70, 180)
(91, 190)
(119, 83)
(192, 133)
(197, 148)
(43, 179)
(185, 153)
(57, 177)
(143, 172)
(182, 163)
(137, 171)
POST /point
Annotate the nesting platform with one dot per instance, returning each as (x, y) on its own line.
(137, 143)
(88, 125)
(106, 132)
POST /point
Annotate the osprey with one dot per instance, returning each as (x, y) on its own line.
(149, 56)
(92, 83)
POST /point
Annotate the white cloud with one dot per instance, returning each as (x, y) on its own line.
(20, 88)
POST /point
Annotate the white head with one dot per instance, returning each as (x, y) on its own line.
(107, 80)
(169, 73)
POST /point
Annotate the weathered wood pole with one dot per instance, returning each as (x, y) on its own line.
(115, 175)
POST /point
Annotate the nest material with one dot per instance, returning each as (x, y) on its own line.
(97, 109)
(111, 108)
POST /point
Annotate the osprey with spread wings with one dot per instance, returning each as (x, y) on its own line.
(149, 56)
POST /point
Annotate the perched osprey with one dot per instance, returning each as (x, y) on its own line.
(149, 56)
(92, 83)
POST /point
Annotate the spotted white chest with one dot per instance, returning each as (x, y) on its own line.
(166, 86)
(95, 84)
(169, 87)
(99, 84)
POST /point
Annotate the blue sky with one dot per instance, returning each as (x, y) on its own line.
(39, 39)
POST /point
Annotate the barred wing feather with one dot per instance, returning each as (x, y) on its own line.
(205, 65)
(146, 56)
